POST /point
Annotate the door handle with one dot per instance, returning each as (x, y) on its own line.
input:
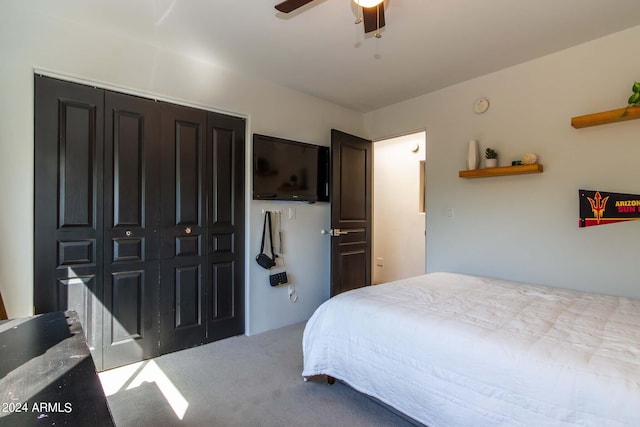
(187, 230)
(338, 232)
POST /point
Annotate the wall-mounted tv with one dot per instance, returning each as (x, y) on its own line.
(289, 170)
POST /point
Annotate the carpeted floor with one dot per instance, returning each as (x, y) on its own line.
(240, 381)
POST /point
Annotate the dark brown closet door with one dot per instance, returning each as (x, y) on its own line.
(68, 203)
(131, 229)
(183, 228)
(225, 177)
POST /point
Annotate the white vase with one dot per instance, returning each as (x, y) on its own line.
(473, 156)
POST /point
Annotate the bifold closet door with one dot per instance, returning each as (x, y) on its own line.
(68, 204)
(131, 229)
(183, 274)
(225, 178)
(139, 220)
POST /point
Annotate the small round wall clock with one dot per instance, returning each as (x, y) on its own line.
(481, 105)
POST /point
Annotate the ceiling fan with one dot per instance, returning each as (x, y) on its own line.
(372, 12)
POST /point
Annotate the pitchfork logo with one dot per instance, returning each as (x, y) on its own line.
(598, 205)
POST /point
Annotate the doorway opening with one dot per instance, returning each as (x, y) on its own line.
(399, 222)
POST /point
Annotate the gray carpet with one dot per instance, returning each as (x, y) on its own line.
(247, 381)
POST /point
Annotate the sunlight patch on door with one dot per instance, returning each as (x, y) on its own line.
(132, 376)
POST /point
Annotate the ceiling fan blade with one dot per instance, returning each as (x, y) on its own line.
(370, 16)
(291, 5)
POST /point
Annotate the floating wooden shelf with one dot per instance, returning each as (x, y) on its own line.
(613, 116)
(500, 171)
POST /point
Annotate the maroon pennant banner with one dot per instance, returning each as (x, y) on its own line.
(600, 207)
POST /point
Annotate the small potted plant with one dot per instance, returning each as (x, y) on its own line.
(491, 158)
(634, 99)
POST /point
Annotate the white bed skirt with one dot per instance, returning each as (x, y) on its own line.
(455, 350)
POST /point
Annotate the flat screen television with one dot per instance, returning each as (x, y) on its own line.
(289, 170)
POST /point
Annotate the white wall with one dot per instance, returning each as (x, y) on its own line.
(526, 227)
(398, 224)
(31, 38)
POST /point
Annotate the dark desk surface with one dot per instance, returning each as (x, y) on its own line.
(47, 375)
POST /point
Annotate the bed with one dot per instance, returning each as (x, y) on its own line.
(457, 350)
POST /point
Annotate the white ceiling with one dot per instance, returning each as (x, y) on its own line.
(426, 44)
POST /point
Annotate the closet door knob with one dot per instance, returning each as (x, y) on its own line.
(187, 230)
(128, 233)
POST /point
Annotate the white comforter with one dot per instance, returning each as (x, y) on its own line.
(455, 350)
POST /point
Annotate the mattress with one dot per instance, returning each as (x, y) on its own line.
(456, 350)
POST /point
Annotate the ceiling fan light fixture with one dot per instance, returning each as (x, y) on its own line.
(367, 3)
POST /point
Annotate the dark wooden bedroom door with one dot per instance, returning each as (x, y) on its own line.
(351, 170)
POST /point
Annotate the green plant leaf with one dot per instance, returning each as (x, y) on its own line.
(636, 87)
(634, 99)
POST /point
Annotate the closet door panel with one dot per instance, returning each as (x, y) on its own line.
(184, 229)
(225, 166)
(223, 295)
(188, 290)
(68, 203)
(131, 230)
